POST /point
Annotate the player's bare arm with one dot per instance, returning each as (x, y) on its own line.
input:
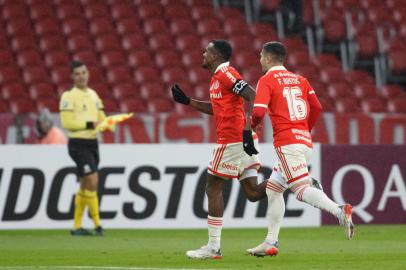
(180, 97)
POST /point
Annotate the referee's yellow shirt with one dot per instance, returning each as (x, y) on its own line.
(78, 107)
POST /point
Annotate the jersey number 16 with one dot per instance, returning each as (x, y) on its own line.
(296, 105)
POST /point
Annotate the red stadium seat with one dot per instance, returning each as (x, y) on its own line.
(108, 42)
(79, 43)
(358, 76)
(51, 104)
(367, 45)
(252, 75)
(135, 105)
(397, 105)
(51, 43)
(146, 74)
(68, 11)
(323, 60)
(95, 11)
(113, 58)
(20, 27)
(327, 104)
(87, 57)
(397, 62)
(173, 75)
(47, 26)
(128, 26)
(102, 89)
(192, 58)
(198, 75)
(96, 74)
(334, 29)
(13, 90)
(41, 11)
(294, 43)
(56, 58)
(21, 106)
(201, 91)
(119, 74)
(365, 90)
(373, 104)
(347, 105)
(339, 90)
(392, 91)
(101, 26)
(6, 58)
(110, 106)
(61, 75)
(246, 60)
(226, 14)
(161, 42)
(125, 90)
(42, 90)
(160, 105)
(331, 74)
(74, 26)
(9, 74)
(22, 43)
(14, 10)
(182, 27)
(150, 11)
(177, 11)
(123, 10)
(155, 25)
(139, 58)
(203, 12)
(298, 59)
(241, 44)
(309, 72)
(134, 41)
(257, 29)
(35, 74)
(3, 106)
(28, 58)
(209, 26)
(167, 58)
(187, 42)
(235, 27)
(152, 90)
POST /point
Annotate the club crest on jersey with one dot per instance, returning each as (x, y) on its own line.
(215, 85)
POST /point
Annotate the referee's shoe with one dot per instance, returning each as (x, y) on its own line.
(80, 232)
(99, 231)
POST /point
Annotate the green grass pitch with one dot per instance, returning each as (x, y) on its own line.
(374, 247)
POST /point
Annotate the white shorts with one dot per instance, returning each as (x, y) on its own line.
(230, 160)
(292, 162)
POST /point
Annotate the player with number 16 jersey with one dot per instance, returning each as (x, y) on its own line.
(292, 104)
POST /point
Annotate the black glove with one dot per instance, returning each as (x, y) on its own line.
(248, 142)
(179, 95)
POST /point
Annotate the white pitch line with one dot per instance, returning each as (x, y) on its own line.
(98, 267)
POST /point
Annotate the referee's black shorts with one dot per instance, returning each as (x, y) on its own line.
(85, 153)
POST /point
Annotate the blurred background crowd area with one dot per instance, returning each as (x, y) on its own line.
(352, 51)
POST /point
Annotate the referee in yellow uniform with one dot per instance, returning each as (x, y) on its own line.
(80, 111)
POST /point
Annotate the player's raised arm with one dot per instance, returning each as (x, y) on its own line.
(180, 97)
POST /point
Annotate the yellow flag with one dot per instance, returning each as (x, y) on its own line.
(109, 123)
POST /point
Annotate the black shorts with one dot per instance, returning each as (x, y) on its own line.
(85, 153)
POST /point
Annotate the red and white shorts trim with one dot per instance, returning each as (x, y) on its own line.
(230, 160)
(293, 160)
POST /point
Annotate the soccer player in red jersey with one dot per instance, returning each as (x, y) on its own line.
(293, 108)
(235, 154)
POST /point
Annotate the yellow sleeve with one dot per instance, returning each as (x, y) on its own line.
(69, 123)
(101, 115)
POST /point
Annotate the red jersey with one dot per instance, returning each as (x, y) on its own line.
(228, 107)
(286, 96)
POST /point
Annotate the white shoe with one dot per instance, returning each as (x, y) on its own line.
(264, 249)
(346, 220)
(203, 253)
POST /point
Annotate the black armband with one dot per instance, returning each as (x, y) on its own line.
(89, 125)
(239, 86)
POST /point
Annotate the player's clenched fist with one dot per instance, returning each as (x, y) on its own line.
(179, 95)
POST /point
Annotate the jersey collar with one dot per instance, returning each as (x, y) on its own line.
(225, 64)
(276, 68)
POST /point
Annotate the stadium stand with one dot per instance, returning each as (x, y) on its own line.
(347, 49)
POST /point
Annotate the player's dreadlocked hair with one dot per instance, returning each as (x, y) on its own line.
(276, 49)
(223, 48)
